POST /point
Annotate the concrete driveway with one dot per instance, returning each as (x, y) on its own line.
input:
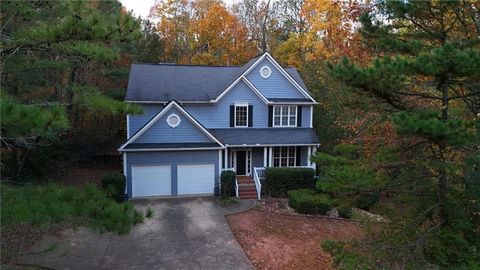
(184, 233)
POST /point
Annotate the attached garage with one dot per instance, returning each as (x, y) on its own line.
(171, 173)
(151, 180)
(195, 178)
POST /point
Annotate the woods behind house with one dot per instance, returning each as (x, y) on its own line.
(398, 84)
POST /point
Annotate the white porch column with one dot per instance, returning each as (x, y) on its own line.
(270, 157)
(265, 150)
(225, 158)
(314, 149)
(220, 163)
(309, 155)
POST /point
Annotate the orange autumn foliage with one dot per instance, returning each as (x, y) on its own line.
(202, 32)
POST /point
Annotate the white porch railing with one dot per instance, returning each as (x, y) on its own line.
(236, 187)
(258, 174)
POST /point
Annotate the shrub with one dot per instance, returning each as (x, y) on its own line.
(114, 186)
(279, 180)
(227, 180)
(344, 211)
(365, 201)
(45, 204)
(305, 201)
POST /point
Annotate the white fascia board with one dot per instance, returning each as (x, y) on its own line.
(147, 126)
(169, 149)
(193, 120)
(283, 144)
(254, 89)
(239, 78)
(160, 114)
(291, 103)
(288, 77)
(165, 102)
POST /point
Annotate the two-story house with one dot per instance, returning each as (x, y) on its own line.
(200, 120)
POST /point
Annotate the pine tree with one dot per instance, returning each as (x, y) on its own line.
(428, 74)
(54, 54)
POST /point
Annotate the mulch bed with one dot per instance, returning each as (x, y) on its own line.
(275, 238)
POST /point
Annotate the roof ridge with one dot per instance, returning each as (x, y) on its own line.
(184, 65)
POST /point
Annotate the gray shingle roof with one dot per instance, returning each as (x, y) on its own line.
(165, 82)
(253, 136)
(169, 145)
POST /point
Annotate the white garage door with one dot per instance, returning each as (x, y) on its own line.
(151, 180)
(196, 179)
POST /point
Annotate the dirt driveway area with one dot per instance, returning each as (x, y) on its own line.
(277, 241)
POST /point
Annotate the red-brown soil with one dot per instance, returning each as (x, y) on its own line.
(273, 240)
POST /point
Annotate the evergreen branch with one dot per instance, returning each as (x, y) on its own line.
(418, 95)
(419, 25)
(6, 23)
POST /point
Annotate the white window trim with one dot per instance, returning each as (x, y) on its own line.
(265, 68)
(235, 114)
(173, 115)
(281, 113)
(288, 156)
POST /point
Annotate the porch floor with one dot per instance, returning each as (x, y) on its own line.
(246, 188)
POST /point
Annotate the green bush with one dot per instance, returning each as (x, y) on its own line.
(344, 211)
(227, 180)
(365, 201)
(306, 201)
(46, 204)
(280, 180)
(114, 186)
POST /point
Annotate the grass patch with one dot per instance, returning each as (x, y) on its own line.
(51, 203)
(225, 202)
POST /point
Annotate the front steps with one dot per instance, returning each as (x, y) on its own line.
(246, 188)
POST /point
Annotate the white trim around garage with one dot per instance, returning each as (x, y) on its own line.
(171, 149)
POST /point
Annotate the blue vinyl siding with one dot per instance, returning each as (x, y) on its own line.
(275, 86)
(161, 132)
(218, 116)
(173, 159)
(137, 121)
(257, 157)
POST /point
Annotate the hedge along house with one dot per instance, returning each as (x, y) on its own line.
(200, 120)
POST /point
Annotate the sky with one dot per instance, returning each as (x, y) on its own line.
(142, 7)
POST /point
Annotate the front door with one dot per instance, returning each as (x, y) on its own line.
(241, 163)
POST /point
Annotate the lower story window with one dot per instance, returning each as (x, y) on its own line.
(284, 156)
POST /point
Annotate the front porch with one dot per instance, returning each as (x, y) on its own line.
(249, 163)
(242, 159)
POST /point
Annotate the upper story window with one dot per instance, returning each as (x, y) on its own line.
(285, 116)
(265, 72)
(241, 115)
(173, 120)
